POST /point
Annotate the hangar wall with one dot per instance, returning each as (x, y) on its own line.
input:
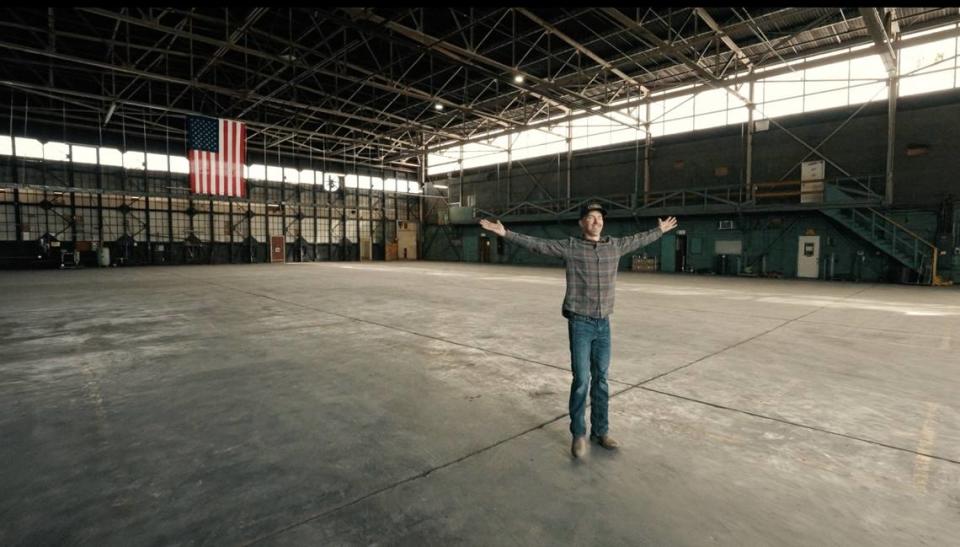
(925, 185)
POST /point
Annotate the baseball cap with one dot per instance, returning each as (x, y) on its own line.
(593, 206)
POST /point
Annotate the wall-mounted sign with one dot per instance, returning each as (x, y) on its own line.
(812, 170)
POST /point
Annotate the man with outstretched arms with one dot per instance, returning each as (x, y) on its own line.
(591, 262)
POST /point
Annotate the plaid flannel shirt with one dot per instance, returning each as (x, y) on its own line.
(591, 267)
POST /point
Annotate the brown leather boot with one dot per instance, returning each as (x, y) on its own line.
(579, 446)
(605, 441)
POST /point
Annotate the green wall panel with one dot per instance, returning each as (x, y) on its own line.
(769, 244)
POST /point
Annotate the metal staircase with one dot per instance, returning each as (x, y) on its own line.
(884, 233)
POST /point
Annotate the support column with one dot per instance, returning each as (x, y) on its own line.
(893, 90)
(169, 222)
(509, 169)
(99, 199)
(17, 213)
(383, 210)
(748, 161)
(422, 176)
(213, 230)
(460, 184)
(283, 209)
(230, 224)
(73, 212)
(146, 214)
(72, 183)
(330, 198)
(569, 161)
(356, 203)
(647, 148)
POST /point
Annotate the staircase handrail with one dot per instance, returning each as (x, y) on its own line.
(863, 190)
(903, 228)
(917, 257)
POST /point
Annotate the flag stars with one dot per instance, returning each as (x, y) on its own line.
(204, 134)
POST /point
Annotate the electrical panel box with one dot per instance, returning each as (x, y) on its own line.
(462, 215)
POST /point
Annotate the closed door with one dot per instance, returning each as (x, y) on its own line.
(407, 240)
(680, 263)
(471, 249)
(668, 253)
(808, 257)
(277, 245)
(366, 248)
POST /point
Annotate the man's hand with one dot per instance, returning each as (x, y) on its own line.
(494, 227)
(667, 225)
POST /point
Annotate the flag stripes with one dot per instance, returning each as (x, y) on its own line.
(217, 153)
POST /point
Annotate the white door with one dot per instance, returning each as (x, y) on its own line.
(406, 240)
(366, 248)
(808, 257)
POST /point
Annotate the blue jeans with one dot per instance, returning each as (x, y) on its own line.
(590, 360)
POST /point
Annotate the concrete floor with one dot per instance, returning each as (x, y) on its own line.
(425, 404)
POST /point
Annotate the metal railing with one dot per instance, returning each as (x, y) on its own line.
(869, 187)
(897, 240)
(900, 239)
(694, 197)
(558, 207)
(863, 190)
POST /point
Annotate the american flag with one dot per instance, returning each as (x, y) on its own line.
(217, 150)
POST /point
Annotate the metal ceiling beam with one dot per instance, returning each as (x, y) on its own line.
(136, 63)
(484, 84)
(630, 24)
(874, 24)
(238, 33)
(584, 50)
(179, 134)
(294, 84)
(409, 91)
(639, 57)
(185, 112)
(387, 85)
(382, 107)
(731, 45)
(100, 40)
(51, 93)
(757, 31)
(371, 80)
(399, 88)
(265, 78)
(300, 77)
(462, 55)
(199, 85)
(716, 82)
(456, 53)
(154, 25)
(235, 36)
(925, 39)
(772, 46)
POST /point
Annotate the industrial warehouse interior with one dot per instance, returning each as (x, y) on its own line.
(324, 276)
